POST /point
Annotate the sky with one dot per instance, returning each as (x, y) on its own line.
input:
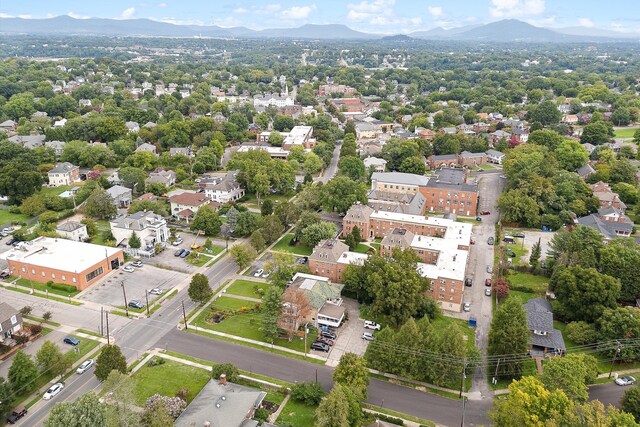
(374, 16)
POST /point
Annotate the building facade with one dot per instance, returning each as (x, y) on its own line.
(63, 174)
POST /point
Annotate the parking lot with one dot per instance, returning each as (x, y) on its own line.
(531, 238)
(167, 259)
(136, 284)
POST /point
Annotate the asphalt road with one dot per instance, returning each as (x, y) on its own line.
(607, 393)
(381, 393)
(332, 169)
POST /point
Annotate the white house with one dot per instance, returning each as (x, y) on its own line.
(73, 230)
(64, 174)
(148, 147)
(226, 190)
(149, 227)
(185, 205)
(120, 195)
(378, 163)
(494, 156)
(161, 176)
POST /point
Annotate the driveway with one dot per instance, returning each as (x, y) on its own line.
(168, 260)
(136, 284)
(531, 238)
(349, 339)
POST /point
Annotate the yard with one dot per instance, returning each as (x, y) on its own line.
(7, 217)
(298, 414)
(248, 288)
(527, 286)
(67, 290)
(625, 132)
(284, 246)
(250, 200)
(166, 379)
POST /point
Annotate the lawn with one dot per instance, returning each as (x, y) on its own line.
(247, 288)
(44, 287)
(485, 167)
(85, 346)
(55, 191)
(625, 133)
(283, 246)
(7, 217)
(167, 379)
(198, 260)
(521, 281)
(376, 246)
(442, 322)
(250, 200)
(298, 414)
(361, 248)
(524, 296)
(247, 324)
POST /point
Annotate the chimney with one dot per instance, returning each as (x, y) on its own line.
(223, 379)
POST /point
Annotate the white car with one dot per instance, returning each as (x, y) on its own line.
(367, 336)
(258, 273)
(53, 391)
(155, 291)
(265, 274)
(626, 380)
(371, 325)
(489, 269)
(487, 292)
(137, 264)
(128, 269)
(177, 242)
(84, 367)
(466, 306)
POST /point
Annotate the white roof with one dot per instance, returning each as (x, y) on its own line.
(452, 261)
(60, 254)
(371, 161)
(400, 178)
(298, 135)
(423, 220)
(352, 258)
(271, 150)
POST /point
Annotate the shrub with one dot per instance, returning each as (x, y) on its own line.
(261, 414)
(21, 339)
(310, 393)
(582, 333)
(182, 393)
(62, 287)
(232, 373)
(35, 329)
(155, 361)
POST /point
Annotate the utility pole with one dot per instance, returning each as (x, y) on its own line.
(107, 315)
(184, 314)
(146, 295)
(101, 321)
(124, 293)
(306, 331)
(617, 352)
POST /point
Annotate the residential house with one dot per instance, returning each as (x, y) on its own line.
(424, 133)
(495, 137)
(185, 205)
(610, 222)
(222, 404)
(585, 171)
(28, 141)
(10, 322)
(544, 339)
(311, 299)
(569, 119)
(8, 126)
(147, 197)
(84, 102)
(469, 159)
(589, 147)
(607, 197)
(120, 195)
(442, 161)
(60, 123)
(226, 190)
(518, 136)
(57, 146)
(63, 174)
(377, 163)
(161, 176)
(148, 147)
(185, 151)
(132, 127)
(494, 156)
(150, 228)
(369, 148)
(330, 259)
(73, 230)
(114, 178)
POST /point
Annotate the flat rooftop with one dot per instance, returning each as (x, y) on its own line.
(352, 258)
(60, 254)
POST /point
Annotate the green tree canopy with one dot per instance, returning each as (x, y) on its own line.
(110, 359)
(509, 335)
(352, 372)
(207, 221)
(199, 289)
(85, 411)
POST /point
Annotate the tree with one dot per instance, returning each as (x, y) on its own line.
(509, 335)
(501, 288)
(549, 138)
(517, 207)
(571, 155)
(352, 372)
(271, 228)
(266, 208)
(571, 374)
(313, 234)
(595, 133)
(312, 163)
(199, 289)
(529, 404)
(155, 414)
(247, 223)
(353, 167)
(207, 221)
(281, 267)
(310, 393)
(230, 371)
(341, 193)
(582, 332)
(50, 360)
(582, 246)
(535, 255)
(276, 139)
(307, 218)
(270, 309)
(546, 113)
(100, 205)
(85, 411)
(19, 179)
(118, 388)
(584, 293)
(172, 406)
(110, 359)
(593, 413)
(32, 206)
(631, 401)
(621, 259)
(6, 397)
(134, 241)
(622, 171)
(156, 188)
(621, 323)
(621, 117)
(243, 254)
(413, 164)
(257, 241)
(22, 373)
(333, 411)
(287, 212)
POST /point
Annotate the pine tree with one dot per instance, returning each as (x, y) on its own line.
(535, 255)
(22, 373)
(134, 241)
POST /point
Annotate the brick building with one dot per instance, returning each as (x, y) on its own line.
(62, 261)
(330, 259)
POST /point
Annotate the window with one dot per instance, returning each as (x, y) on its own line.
(14, 320)
(442, 288)
(92, 275)
(33, 271)
(43, 274)
(64, 277)
(24, 270)
(73, 279)
(440, 296)
(53, 276)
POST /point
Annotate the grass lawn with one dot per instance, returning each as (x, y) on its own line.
(524, 296)
(298, 414)
(246, 325)
(624, 133)
(362, 249)
(6, 217)
(167, 379)
(245, 288)
(55, 191)
(43, 287)
(283, 246)
(198, 260)
(250, 200)
(534, 282)
(485, 167)
(376, 246)
(528, 368)
(85, 346)
(442, 322)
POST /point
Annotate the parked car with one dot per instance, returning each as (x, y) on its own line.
(485, 213)
(319, 346)
(265, 274)
(487, 292)
(489, 269)
(185, 253)
(84, 367)
(178, 252)
(371, 325)
(4, 274)
(328, 334)
(466, 306)
(177, 242)
(258, 272)
(490, 241)
(368, 336)
(134, 303)
(128, 269)
(71, 340)
(520, 235)
(625, 380)
(11, 241)
(53, 391)
(327, 341)
(479, 218)
(137, 264)
(487, 282)
(503, 176)
(468, 281)
(155, 291)
(17, 413)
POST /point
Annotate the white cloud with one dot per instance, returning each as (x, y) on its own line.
(176, 21)
(227, 22)
(127, 13)
(25, 16)
(586, 22)
(516, 8)
(267, 9)
(380, 13)
(298, 12)
(77, 15)
(5, 15)
(435, 11)
(162, 5)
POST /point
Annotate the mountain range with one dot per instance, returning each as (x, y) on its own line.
(508, 30)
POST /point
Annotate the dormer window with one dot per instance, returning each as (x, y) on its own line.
(537, 332)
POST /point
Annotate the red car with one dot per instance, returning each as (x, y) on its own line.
(485, 213)
(487, 282)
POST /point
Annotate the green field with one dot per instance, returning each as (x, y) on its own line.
(527, 286)
(361, 248)
(167, 379)
(624, 133)
(7, 217)
(283, 246)
(298, 414)
(245, 288)
(43, 287)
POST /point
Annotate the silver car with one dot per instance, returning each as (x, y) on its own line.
(626, 380)
(86, 365)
